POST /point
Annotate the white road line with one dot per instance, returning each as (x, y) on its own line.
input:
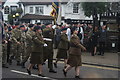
(33, 75)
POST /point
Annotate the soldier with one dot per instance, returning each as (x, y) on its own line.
(23, 42)
(29, 41)
(4, 47)
(16, 39)
(74, 59)
(37, 51)
(48, 34)
(63, 47)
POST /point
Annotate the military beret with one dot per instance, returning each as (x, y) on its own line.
(22, 26)
(37, 28)
(63, 29)
(48, 23)
(9, 28)
(39, 23)
(31, 25)
(5, 24)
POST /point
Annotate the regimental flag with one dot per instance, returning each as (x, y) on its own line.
(55, 7)
(59, 14)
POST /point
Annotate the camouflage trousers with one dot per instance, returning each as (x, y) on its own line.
(4, 53)
(16, 51)
(26, 54)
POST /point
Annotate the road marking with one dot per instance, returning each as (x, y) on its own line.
(33, 75)
(99, 67)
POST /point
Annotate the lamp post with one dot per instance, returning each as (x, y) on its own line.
(13, 18)
(17, 16)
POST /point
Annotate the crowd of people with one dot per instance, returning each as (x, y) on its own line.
(36, 42)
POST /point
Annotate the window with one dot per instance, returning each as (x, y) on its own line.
(39, 10)
(75, 7)
(31, 9)
(6, 10)
(13, 9)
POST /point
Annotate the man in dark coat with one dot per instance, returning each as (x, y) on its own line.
(48, 34)
(102, 40)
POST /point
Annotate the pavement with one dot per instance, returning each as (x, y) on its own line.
(108, 60)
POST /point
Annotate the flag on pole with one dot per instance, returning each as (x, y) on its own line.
(59, 14)
(54, 13)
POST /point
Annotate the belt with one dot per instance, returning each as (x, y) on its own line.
(47, 39)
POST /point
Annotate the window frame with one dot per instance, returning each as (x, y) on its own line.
(31, 9)
(76, 8)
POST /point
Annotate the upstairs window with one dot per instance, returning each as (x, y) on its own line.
(75, 7)
(39, 10)
(31, 10)
(13, 9)
(6, 10)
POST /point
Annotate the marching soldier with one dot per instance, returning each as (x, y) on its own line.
(4, 47)
(63, 48)
(74, 59)
(29, 42)
(37, 51)
(16, 39)
(23, 42)
(48, 35)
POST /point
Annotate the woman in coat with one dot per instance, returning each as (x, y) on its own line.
(74, 59)
(37, 51)
(63, 48)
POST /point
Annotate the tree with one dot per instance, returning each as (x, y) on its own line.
(93, 9)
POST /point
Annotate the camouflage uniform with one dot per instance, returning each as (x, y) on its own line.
(24, 46)
(16, 37)
(29, 42)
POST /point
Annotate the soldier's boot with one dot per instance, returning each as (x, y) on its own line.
(18, 63)
(4, 66)
(10, 61)
(23, 64)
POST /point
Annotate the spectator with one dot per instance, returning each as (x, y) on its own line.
(102, 40)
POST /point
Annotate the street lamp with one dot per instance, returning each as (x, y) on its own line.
(13, 16)
(17, 14)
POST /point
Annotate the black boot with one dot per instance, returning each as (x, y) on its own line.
(18, 63)
(65, 73)
(28, 71)
(77, 77)
(4, 66)
(55, 64)
(52, 71)
(41, 75)
(23, 65)
(10, 61)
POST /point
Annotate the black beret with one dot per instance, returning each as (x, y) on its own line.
(9, 28)
(37, 28)
(5, 24)
(48, 23)
(63, 29)
(22, 26)
(31, 25)
(39, 23)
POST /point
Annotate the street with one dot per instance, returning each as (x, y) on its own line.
(87, 71)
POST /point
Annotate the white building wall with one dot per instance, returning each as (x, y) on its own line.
(67, 10)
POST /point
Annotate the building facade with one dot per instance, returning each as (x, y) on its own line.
(40, 11)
